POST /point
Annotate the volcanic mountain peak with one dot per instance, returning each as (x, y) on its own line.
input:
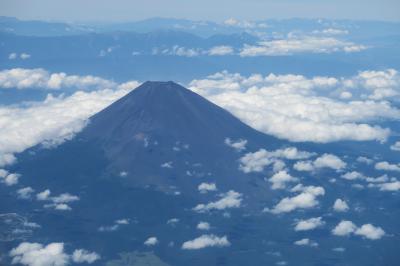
(165, 109)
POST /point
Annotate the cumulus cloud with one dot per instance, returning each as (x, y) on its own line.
(303, 44)
(57, 202)
(221, 50)
(203, 226)
(44, 195)
(305, 200)
(369, 231)
(35, 254)
(206, 187)
(324, 161)
(306, 242)
(230, 199)
(25, 193)
(24, 56)
(115, 226)
(38, 78)
(331, 31)
(390, 186)
(276, 104)
(362, 159)
(82, 255)
(205, 241)
(344, 228)
(395, 146)
(353, 175)
(151, 241)
(309, 224)
(386, 166)
(166, 165)
(280, 179)
(257, 161)
(9, 179)
(51, 122)
(340, 205)
(291, 153)
(329, 161)
(304, 166)
(238, 145)
(12, 56)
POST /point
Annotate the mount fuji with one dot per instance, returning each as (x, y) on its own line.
(165, 177)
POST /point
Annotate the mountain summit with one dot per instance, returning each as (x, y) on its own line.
(165, 109)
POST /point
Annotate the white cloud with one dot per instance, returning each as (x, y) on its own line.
(386, 166)
(255, 162)
(25, 193)
(230, 199)
(115, 226)
(173, 221)
(332, 31)
(306, 242)
(344, 228)
(177, 51)
(362, 159)
(24, 56)
(353, 175)
(340, 205)
(6, 159)
(51, 121)
(35, 254)
(238, 145)
(206, 187)
(275, 104)
(203, 226)
(380, 179)
(166, 165)
(58, 202)
(369, 231)
(221, 50)
(304, 166)
(21, 78)
(305, 200)
(324, 161)
(64, 198)
(339, 249)
(291, 153)
(44, 195)
(82, 255)
(151, 241)
(9, 179)
(309, 224)
(329, 161)
(303, 44)
(280, 179)
(395, 146)
(391, 186)
(58, 206)
(12, 56)
(206, 241)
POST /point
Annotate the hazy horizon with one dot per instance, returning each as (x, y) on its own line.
(125, 11)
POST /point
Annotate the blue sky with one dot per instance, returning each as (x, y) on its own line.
(127, 10)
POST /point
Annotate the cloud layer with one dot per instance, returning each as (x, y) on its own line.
(318, 109)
